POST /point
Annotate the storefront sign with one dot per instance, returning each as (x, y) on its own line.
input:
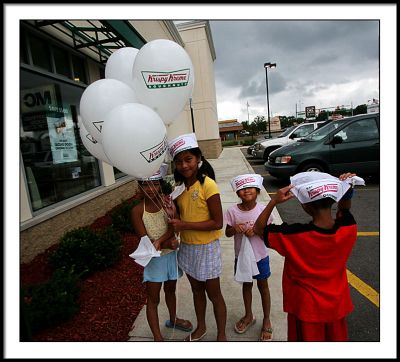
(39, 99)
(310, 112)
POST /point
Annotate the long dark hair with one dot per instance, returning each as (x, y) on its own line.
(205, 169)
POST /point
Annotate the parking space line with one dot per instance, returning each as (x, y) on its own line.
(368, 233)
(363, 288)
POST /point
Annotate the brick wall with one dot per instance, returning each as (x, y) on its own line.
(38, 238)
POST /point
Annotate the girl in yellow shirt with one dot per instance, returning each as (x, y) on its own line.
(200, 224)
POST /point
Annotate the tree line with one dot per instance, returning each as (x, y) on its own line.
(260, 123)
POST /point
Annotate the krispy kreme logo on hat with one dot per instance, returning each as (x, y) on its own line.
(312, 186)
(322, 189)
(160, 174)
(155, 152)
(155, 80)
(182, 143)
(246, 180)
(179, 143)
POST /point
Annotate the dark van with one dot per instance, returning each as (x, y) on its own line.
(344, 145)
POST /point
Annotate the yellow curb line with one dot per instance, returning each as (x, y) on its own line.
(368, 233)
(363, 288)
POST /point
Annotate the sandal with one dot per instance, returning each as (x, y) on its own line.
(245, 326)
(184, 326)
(189, 338)
(263, 332)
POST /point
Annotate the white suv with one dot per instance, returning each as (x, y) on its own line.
(262, 149)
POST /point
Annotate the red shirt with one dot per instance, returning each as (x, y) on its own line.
(314, 280)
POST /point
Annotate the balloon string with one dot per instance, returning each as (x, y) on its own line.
(159, 197)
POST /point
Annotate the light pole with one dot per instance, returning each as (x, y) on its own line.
(266, 66)
(191, 113)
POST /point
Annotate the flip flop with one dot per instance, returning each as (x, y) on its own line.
(169, 324)
(237, 330)
(266, 330)
(194, 339)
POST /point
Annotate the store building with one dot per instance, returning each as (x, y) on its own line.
(229, 129)
(62, 186)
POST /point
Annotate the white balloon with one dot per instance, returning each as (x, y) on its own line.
(95, 148)
(163, 78)
(120, 63)
(134, 139)
(99, 98)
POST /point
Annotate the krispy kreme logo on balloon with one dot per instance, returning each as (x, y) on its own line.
(155, 80)
(322, 189)
(155, 152)
(248, 180)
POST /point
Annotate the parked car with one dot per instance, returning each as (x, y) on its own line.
(345, 145)
(263, 148)
(244, 133)
(250, 149)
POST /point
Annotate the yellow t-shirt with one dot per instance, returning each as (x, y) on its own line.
(193, 207)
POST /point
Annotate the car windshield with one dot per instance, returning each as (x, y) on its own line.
(322, 132)
(286, 132)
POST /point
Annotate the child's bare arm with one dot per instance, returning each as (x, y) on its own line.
(233, 230)
(281, 195)
(165, 241)
(345, 202)
(136, 220)
(171, 243)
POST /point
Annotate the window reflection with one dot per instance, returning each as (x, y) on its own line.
(57, 165)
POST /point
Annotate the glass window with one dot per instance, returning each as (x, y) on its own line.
(61, 60)
(118, 174)
(57, 165)
(40, 53)
(23, 48)
(79, 69)
(102, 73)
(362, 130)
(303, 130)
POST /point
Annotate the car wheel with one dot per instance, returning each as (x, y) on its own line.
(312, 167)
(268, 151)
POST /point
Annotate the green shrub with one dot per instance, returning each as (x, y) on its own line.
(249, 142)
(121, 216)
(51, 303)
(86, 251)
(229, 143)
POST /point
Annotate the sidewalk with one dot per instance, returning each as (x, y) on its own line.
(231, 163)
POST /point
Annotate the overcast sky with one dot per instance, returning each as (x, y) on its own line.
(319, 63)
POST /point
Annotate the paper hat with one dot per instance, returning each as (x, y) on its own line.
(246, 180)
(182, 143)
(312, 186)
(160, 174)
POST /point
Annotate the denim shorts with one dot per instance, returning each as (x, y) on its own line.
(263, 267)
(162, 269)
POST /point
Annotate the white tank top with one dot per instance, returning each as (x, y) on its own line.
(156, 224)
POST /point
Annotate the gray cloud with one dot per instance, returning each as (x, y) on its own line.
(311, 56)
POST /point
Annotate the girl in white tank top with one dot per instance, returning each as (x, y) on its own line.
(149, 218)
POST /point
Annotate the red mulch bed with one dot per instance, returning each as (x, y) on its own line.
(109, 300)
